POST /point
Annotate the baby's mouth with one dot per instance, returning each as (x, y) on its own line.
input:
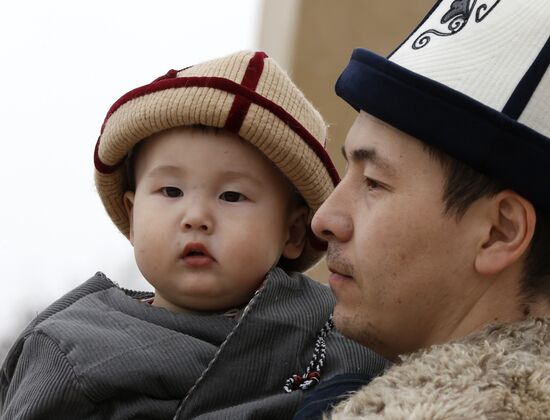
(196, 255)
(195, 248)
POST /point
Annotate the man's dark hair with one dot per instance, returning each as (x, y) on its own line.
(464, 185)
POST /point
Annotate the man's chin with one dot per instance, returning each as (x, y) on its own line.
(349, 324)
(356, 328)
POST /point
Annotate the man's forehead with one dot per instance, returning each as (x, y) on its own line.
(368, 127)
(373, 140)
(365, 143)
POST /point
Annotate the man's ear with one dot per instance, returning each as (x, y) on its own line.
(296, 234)
(128, 199)
(509, 232)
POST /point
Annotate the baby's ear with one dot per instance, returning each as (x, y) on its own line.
(128, 199)
(296, 235)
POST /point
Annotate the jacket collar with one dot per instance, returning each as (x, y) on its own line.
(502, 371)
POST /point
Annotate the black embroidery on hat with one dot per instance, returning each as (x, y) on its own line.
(456, 19)
(484, 10)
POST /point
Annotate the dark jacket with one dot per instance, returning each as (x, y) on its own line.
(100, 352)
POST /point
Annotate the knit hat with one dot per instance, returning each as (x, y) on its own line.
(472, 80)
(246, 93)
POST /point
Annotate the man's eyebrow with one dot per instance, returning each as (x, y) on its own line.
(368, 155)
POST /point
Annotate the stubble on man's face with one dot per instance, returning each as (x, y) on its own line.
(346, 321)
(346, 324)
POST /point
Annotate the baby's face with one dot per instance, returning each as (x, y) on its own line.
(209, 217)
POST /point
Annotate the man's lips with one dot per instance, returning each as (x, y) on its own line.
(338, 275)
(338, 264)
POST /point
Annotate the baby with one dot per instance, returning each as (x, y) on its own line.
(213, 173)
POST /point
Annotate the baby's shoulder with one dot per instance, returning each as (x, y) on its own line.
(65, 304)
(57, 322)
(97, 323)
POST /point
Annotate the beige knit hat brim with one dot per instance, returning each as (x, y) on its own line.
(246, 93)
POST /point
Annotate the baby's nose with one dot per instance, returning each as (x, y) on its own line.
(204, 226)
(197, 218)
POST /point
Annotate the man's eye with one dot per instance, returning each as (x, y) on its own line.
(372, 184)
(171, 192)
(232, 196)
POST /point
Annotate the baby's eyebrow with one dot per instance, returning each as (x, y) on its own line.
(165, 170)
(236, 174)
(368, 155)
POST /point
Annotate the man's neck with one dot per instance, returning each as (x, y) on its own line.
(502, 301)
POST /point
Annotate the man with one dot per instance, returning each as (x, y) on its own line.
(439, 232)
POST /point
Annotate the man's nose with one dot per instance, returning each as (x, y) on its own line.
(332, 221)
(197, 217)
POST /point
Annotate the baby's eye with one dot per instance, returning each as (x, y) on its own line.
(232, 196)
(171, 192)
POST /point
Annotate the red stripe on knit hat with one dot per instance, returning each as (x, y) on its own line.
(229, 86)
(241, 104)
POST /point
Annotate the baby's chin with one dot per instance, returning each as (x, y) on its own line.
(201, 308)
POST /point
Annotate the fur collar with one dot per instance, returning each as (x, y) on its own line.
(500, 372)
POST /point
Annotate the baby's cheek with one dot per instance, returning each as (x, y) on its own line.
(255, 251)
(143, 240)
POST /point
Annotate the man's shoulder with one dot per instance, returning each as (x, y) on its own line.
(329, 393)
(502, 369)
